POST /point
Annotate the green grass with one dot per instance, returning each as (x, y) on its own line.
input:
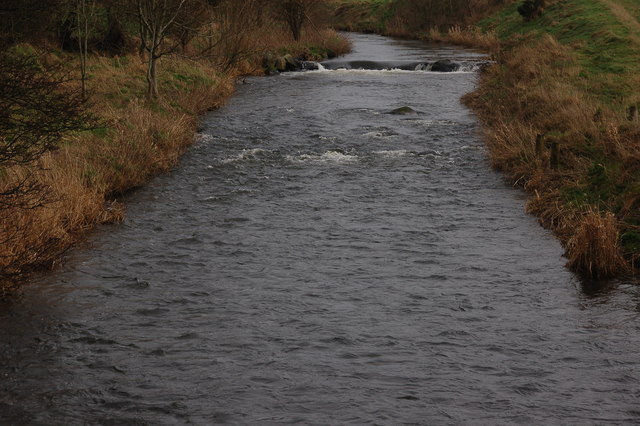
(599, 41)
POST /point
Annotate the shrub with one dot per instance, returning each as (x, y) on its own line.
(531, 9)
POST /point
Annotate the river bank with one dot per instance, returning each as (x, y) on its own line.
(133, 140)
(558, 116)
(316, 260)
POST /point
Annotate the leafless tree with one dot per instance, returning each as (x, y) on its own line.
(295, 13)
(85, 14)
(158, 19)
(226, 38)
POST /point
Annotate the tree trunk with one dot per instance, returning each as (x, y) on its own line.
(83, 14)
(152, 80)
(296, 30)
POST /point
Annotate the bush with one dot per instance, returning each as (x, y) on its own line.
(531, 9)
(36, 110)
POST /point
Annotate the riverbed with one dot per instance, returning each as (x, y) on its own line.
(315, 259)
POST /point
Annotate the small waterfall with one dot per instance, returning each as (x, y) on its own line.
(441, 65)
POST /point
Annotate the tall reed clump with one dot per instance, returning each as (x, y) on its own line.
(594, 248)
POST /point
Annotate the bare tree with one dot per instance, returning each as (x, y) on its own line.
(296, 12)
(85, 14)
(226, 38)
(157, 19)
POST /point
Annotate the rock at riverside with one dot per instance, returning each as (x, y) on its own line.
(309, 66)
(403, 111)
(281, 64)
(444, 65)
(291, 63)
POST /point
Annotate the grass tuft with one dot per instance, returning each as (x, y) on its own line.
(594, 249)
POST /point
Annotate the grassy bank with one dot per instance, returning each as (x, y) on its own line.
(569, 78)
(556, 114)
(133, 139)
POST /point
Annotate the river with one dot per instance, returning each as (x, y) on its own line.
(316, 260)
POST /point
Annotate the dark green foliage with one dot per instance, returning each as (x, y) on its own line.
(36, 111)
(630, 241)
(113, 39)
(107, 22)
(26, 20)
(531, 9)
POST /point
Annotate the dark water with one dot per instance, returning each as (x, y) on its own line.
(315, 260)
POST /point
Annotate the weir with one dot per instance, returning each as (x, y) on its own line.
(442, 65)
(334, 249)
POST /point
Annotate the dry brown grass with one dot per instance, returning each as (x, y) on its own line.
(593, 249)
(310, 46)
(470, 36)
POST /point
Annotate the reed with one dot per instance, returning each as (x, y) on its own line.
(594, 248)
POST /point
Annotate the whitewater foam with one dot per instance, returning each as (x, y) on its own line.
(327, 157)
(245, 155)
(393, 153)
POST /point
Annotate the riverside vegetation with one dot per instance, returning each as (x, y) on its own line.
(124, 82)
(559, 108)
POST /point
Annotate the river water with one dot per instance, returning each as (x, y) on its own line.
(316, 260)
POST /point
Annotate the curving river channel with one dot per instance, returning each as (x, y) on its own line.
(316, 260)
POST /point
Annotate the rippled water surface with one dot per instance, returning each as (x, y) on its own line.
(315, 260)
